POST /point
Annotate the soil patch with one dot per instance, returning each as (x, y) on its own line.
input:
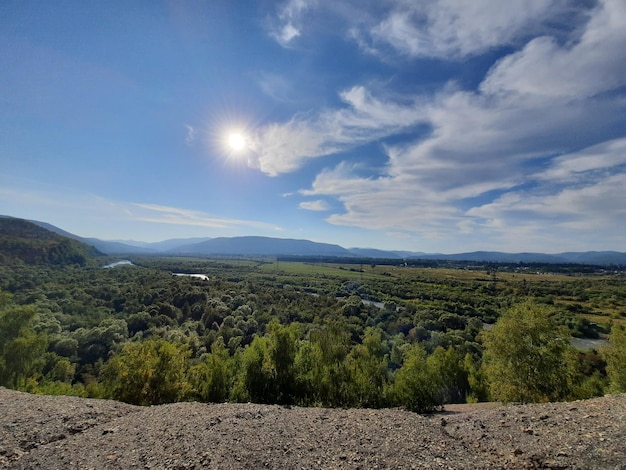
(68, 432)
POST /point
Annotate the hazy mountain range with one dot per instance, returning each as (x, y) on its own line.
(266, 246)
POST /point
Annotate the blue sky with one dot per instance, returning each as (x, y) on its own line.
(422, 125)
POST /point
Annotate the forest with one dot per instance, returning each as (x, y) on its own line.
(309, 332)
(312, 334)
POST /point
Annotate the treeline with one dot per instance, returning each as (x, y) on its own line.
(526, 358)
(492, 266)
(309, 336)
(322, 370)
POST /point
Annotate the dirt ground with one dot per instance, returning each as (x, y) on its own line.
(75, 433)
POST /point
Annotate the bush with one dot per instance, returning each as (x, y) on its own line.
(615, 356)
(526, 356)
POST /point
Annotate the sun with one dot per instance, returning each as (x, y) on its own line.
(236, 141)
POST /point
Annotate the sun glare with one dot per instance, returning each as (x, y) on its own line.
(236, 141)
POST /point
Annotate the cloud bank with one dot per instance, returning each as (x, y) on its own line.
(535, 143)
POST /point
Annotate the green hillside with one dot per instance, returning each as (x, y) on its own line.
(24, 242)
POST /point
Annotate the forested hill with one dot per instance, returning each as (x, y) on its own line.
(263, 246)
(25, 242)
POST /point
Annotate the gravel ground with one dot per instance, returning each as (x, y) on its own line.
(75, 433)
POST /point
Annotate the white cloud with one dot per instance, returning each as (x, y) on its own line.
(453, 29)
(191, 134)
(275, 86)
(587, 162)
(283, 148)
(177, 216)
(597, 209)
(593, 64)
(288, 24)
(383, 203)
(472, 127)
(88, 214)
(319, 205)
(494, 141)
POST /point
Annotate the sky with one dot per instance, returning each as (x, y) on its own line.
(437, 126)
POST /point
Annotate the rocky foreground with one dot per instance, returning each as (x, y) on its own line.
(68, 432)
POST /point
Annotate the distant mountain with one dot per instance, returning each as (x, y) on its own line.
(261, 246)
(600, 258)
(22, 241)
(374, 253)
(496, 257)
(596, 257)
(172, 244)
(266, 246)
(107, 247)
(118, 248)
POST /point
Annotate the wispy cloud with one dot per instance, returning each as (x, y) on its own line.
(173, 215)
(191, 134)
(589, 65)
(318, 205)
(288, 24)
(586, 164)
(451, 29)
(512, 96)
(275, 86)
(283, 147)
(595, 211)
(91, 215)
(489, 143)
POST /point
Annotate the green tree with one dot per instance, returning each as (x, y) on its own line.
(415, 387)
(21, 348)
(327, 376)
(615, 356)
(254, 381)
(367, 365)
(150, 372)
(478, 388)
(96, 343)
(282, 350)
(446, 366)
(526, 356)
(211, 380)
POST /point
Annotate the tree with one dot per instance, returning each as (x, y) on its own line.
(526, 356)
(451, 378)
(95, 343)
(327, 376)
(21, 348)
(254, 381)
(212, 379)
(478, 389)
(150, 372)
(615, 356)
(282, 349)
(368, 367)
(415, 386)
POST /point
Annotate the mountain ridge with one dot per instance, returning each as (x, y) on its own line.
(270, 246)
(22, 241)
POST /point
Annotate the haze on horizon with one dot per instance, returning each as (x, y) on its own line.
(431, 126)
